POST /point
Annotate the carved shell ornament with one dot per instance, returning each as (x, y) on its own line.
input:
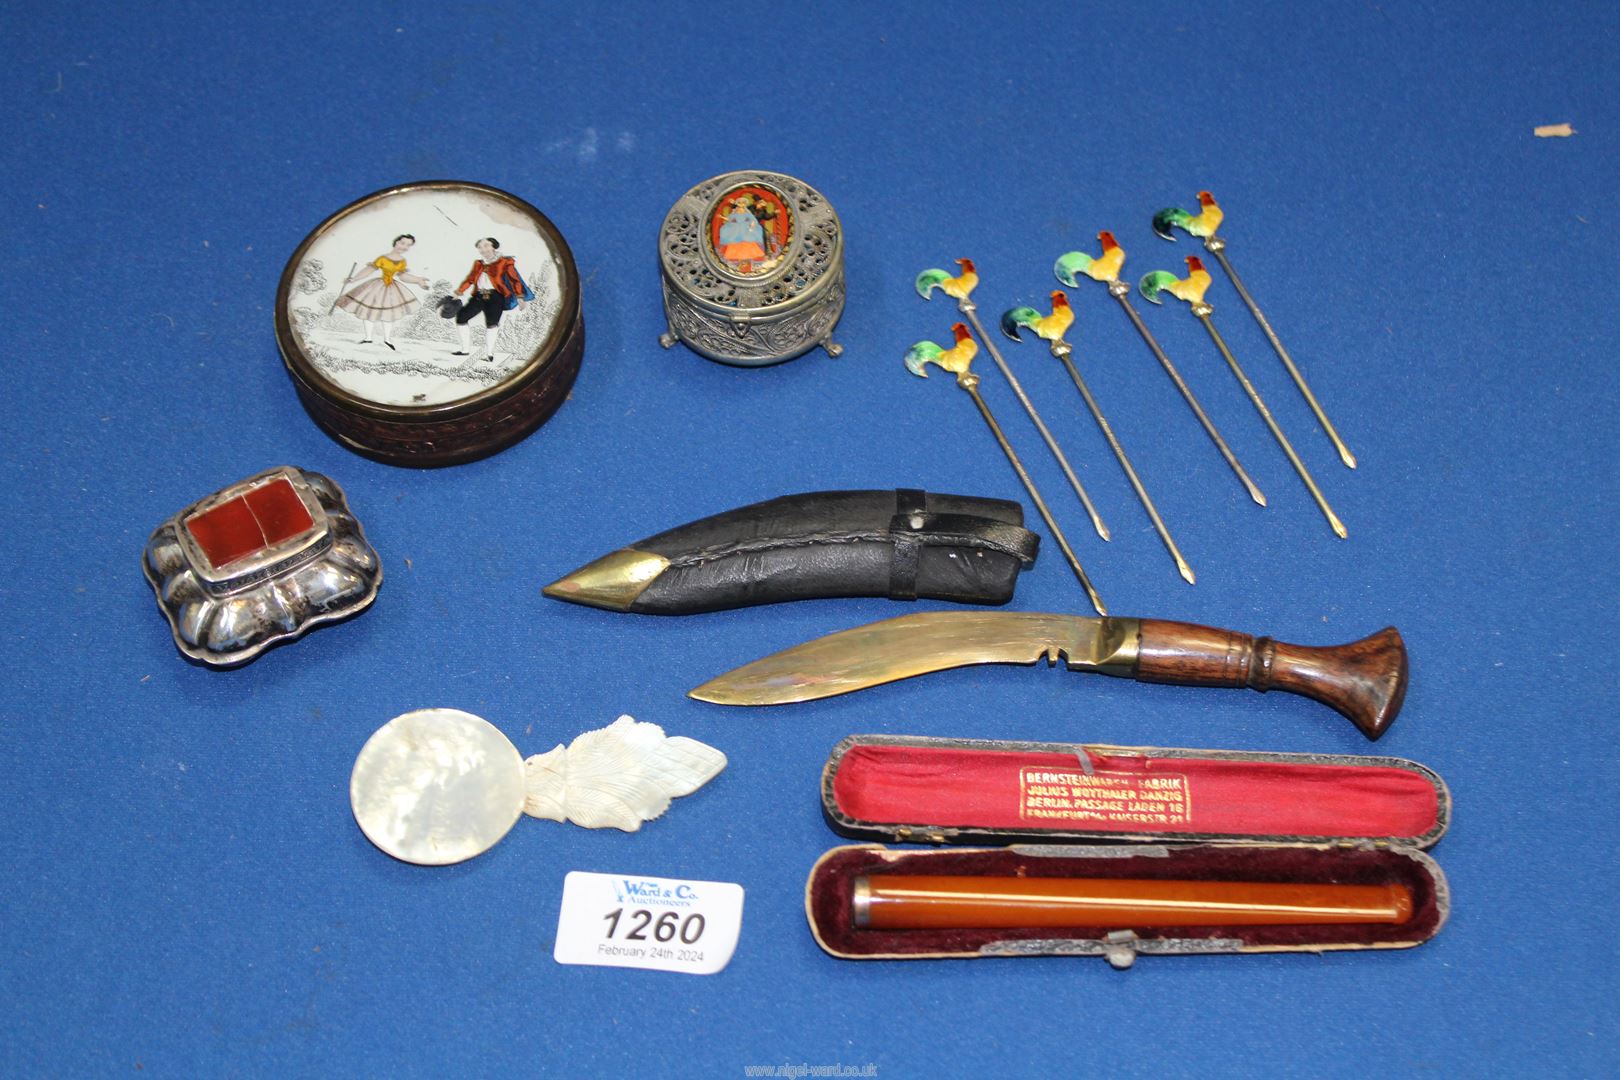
(617, 776)
(439, 786)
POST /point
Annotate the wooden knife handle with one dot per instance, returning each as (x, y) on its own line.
(1364, 680)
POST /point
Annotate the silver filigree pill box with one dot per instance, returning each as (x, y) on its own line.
(260, 562)
(753, 268)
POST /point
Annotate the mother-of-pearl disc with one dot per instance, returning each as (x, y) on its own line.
(437, 786)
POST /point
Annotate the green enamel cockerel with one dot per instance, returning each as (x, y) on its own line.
(1202, 224)
(1048, 327)
(959, 288)
(1104, 267)
(954, 359)
(1191, 288)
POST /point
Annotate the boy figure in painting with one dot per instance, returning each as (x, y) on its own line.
(382, 300)
(765, 214)
(496, 286)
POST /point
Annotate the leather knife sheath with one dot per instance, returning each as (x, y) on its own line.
(903, 544)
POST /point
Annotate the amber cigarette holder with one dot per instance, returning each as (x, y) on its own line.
(924, 902)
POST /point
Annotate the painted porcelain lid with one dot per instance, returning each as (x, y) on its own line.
(425, 303)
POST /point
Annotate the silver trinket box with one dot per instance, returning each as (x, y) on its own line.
(753, 269)
(260, 562)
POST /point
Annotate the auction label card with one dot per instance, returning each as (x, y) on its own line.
(624, 920)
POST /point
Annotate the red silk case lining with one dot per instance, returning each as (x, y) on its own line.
(1024, 792)
(828, 893)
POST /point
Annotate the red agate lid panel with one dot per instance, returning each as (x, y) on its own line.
(250, 523)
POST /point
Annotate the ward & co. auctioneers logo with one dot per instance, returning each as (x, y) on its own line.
(653, 893)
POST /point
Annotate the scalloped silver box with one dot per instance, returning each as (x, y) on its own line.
(753, 269)
(258, 563)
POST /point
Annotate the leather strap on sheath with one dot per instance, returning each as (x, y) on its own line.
(910, 510)
(914, 528)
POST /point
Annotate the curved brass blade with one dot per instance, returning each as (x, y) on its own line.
(917, 644)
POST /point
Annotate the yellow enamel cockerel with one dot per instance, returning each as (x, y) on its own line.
(1191, 288)
(959, 288)
(1048, 327)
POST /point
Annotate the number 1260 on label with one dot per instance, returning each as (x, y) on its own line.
(620, 920)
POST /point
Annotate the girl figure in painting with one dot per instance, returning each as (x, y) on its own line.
(742, 239)
(382, 299)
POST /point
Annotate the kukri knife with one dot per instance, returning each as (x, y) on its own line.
(1364, 680)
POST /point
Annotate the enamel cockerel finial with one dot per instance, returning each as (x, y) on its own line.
(1202, 224)
(959, 287)
(1104, 267)
(1191, 288)
(1047, 327)
(955, 359)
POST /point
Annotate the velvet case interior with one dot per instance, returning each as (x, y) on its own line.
(829, 894)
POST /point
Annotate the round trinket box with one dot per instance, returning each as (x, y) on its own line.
(753, 267)
(432, 323)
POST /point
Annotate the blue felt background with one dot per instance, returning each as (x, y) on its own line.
(185, 892)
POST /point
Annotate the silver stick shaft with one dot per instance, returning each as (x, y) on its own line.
(1203, 312)
(1217, 247)
(970, 382)
(1122, 294)
(1061, 350)
(971, 310)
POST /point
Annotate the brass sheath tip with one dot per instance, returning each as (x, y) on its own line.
(613, 582)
